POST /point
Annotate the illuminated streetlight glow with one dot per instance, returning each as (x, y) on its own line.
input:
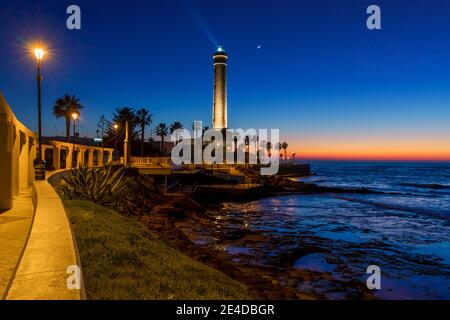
(75, 116)
(116, 126)
(39, 53)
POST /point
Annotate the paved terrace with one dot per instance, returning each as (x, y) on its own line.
(15, 226)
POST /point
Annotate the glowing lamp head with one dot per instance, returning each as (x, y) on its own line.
(220, 56)
(39, 53)
(116, 126)
(75, 116)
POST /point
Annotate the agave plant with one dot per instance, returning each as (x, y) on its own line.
(103, 186)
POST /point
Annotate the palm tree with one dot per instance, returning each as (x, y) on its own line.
(236, 137)
(162, 131)
(174, 127)
(269, 148)
(279, 147)
(284, 146)
(64, 108)
(126, 114)
(144, 118)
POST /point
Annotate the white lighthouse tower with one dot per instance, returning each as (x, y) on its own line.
(220, 90)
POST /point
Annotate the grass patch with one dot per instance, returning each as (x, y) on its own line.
(121, 259)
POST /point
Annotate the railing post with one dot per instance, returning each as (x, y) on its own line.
(126, 151)
(56, 157)
(100, 158)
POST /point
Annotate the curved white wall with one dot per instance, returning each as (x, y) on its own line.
(17, 152)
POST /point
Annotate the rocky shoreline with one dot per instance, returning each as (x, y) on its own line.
(191, 225)
(197, 234)
(260, 282)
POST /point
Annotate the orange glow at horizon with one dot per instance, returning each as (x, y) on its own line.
(437, 149)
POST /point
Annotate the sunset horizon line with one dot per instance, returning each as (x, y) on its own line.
(371, 159)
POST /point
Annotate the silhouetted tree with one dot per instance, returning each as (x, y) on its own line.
(64, 108)
(174, 127)
(269, 148)
(284, 146)
(122, 115)
(104, 126)
(162, 131)
(144, 118)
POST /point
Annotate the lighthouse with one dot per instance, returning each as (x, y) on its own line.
(220, 89)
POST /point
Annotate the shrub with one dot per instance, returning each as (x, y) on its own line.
(103, 186)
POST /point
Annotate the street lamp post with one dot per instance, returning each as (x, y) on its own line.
(116, 127)
(126, 147)
(75, 118)
(39, 164)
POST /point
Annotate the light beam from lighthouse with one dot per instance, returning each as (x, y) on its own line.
(220, 90)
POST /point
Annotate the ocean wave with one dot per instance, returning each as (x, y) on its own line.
(361, 190)
(444, 214)
(425, 185)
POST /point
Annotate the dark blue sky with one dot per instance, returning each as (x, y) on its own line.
(320, 75)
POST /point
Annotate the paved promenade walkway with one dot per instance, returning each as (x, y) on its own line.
(14, 229)
(42, 271)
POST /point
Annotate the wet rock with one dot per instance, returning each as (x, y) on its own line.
(254, 238)
(169, 209)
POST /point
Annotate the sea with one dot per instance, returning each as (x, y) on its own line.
(401, 226)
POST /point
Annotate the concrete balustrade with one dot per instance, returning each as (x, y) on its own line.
(151, 161)
(75, 155)
(17, 153)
